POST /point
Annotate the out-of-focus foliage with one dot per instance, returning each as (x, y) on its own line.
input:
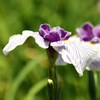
(23, 73)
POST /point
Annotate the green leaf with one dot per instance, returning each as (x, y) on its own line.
(10, 95)
(35, 89)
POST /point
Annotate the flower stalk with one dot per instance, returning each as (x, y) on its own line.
(91, 85)
(53, 87)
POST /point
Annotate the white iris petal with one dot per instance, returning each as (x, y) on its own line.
(75, 38)
(40, 41)
(79, 54)
(64, 57)
(95, 64)
(19, 39)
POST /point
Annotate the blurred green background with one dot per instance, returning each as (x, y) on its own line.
(24, 72)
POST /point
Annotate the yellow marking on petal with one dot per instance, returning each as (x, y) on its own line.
(92, 43)
(67, 40)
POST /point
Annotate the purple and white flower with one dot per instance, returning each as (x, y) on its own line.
(89, 33)
(43, 38)
(79, 54)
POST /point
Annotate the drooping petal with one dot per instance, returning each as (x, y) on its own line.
(19, 39)
(64, 57)
(40, 41)
(79, 54)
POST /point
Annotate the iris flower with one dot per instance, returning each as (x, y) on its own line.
(89, 33)
(78, 54)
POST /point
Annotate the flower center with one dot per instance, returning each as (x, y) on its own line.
(53, 34)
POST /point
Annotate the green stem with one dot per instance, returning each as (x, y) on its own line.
(91, 85)
(52, 84)
(52, 78)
